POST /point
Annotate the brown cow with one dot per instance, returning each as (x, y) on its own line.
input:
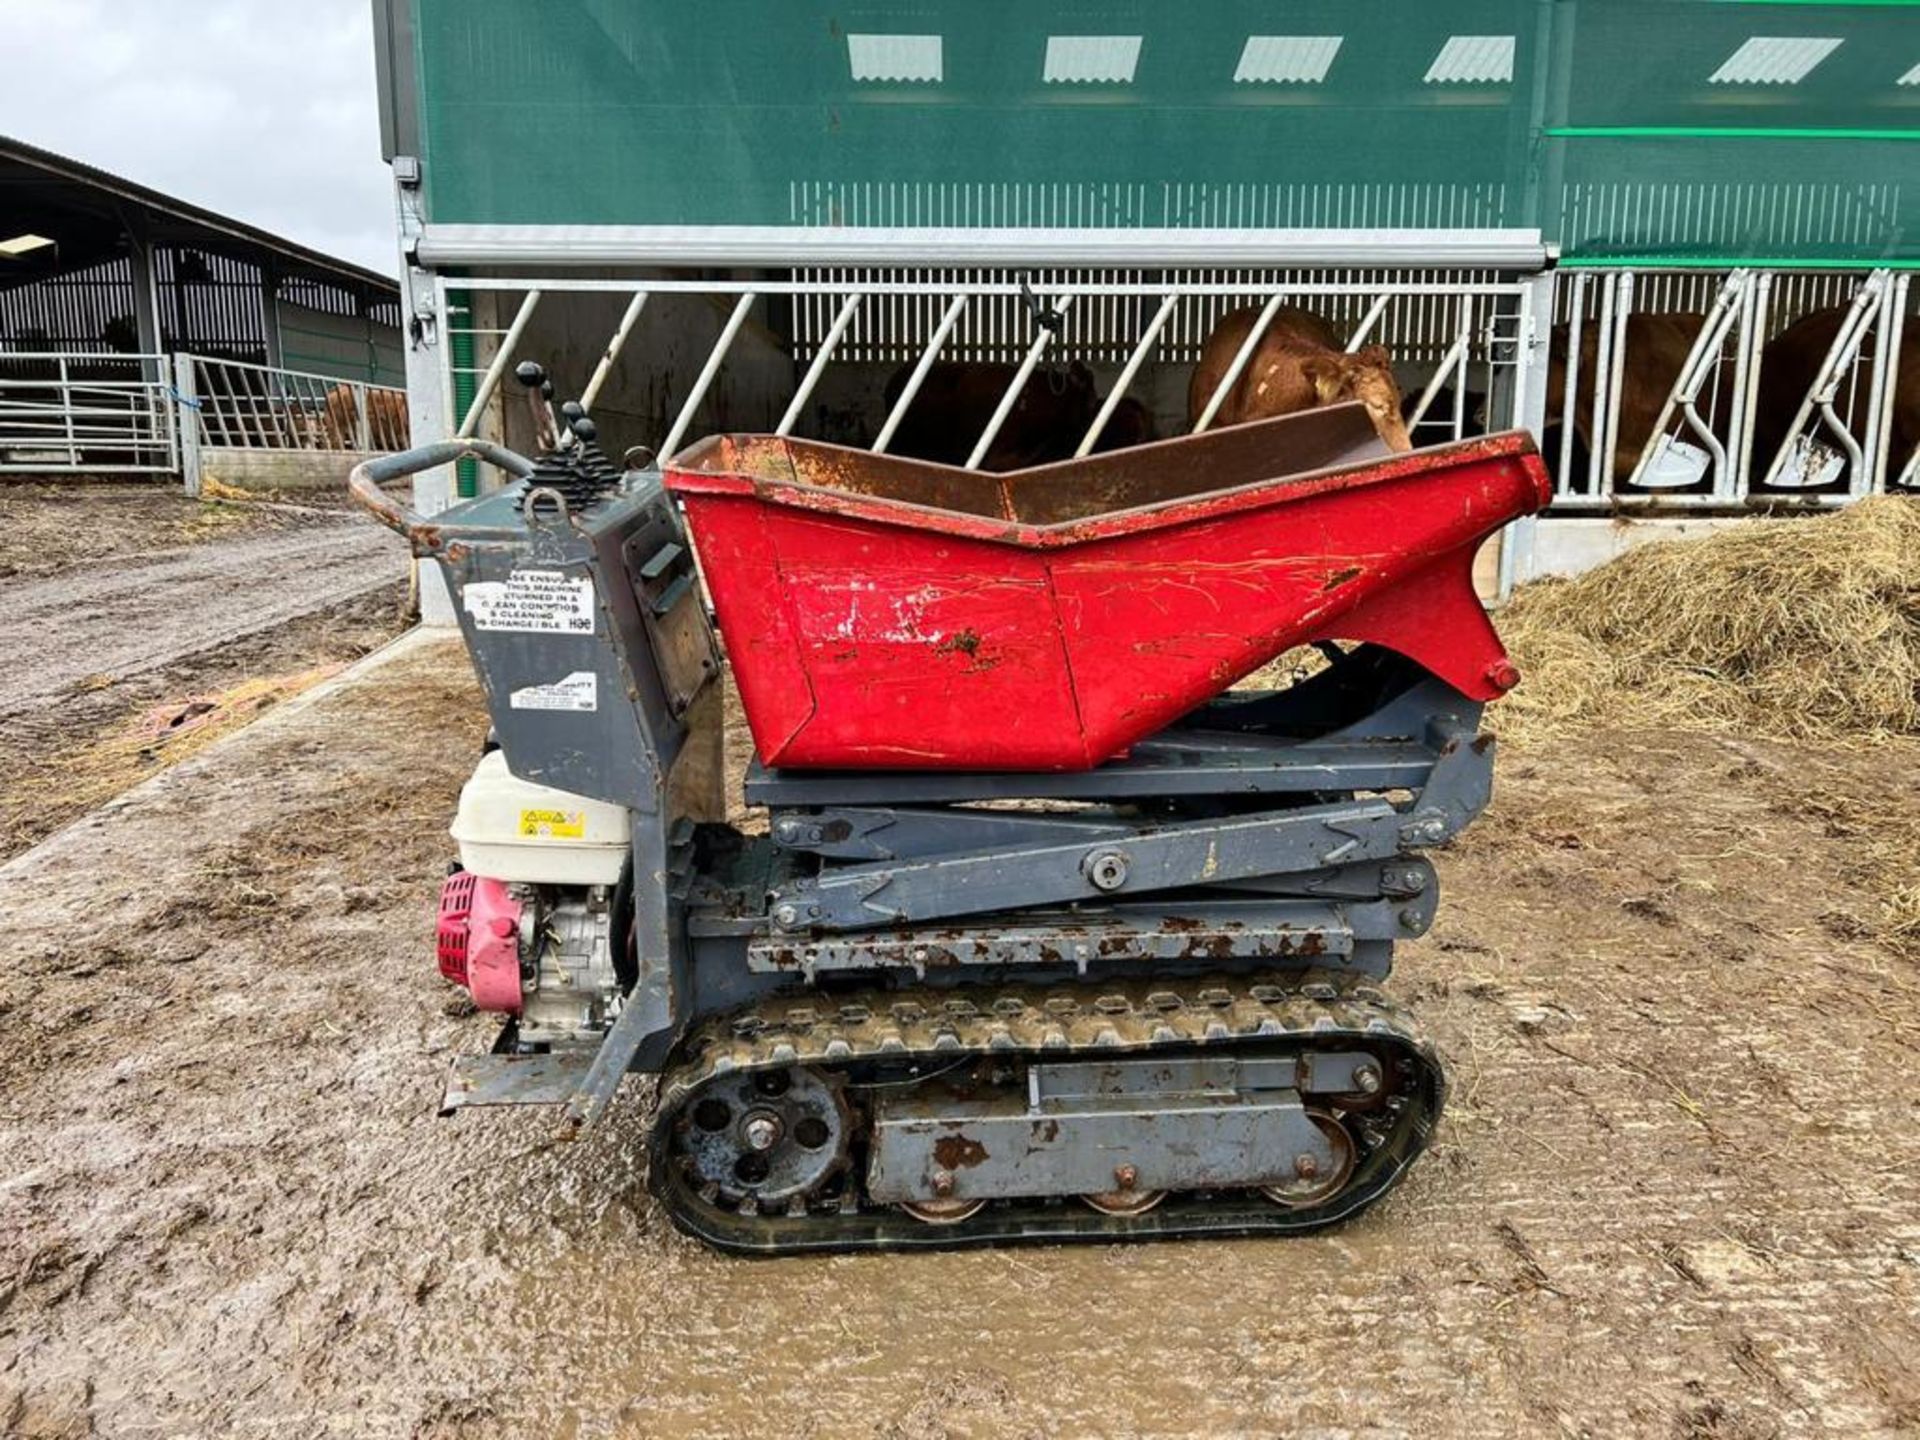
(1300, 364)
(1657, 348)
(1047, 422)
(1790, 364)
(387, 423)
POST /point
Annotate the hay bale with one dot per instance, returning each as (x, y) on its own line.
(1806, 628)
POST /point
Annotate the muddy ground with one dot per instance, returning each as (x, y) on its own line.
(48, 525)
(139, 624)
(1677, 1192)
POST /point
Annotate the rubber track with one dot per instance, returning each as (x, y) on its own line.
(1283, 1013)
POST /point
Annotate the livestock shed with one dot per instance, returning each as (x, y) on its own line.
(140, 333)
(1673, 238)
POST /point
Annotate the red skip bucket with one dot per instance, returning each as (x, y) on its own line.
(888, 613)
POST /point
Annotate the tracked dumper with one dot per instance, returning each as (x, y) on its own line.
(1051, 933)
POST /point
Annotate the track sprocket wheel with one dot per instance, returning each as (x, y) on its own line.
(766, 1138)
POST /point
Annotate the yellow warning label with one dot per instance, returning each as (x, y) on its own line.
(553, 824)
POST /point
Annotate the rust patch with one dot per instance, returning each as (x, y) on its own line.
(1340, 577)
(958, 1152)
(967, 642)
(1208, 947)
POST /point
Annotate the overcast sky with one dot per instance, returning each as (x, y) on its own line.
(261, 109)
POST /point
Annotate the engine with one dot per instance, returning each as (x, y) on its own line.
(528, 917)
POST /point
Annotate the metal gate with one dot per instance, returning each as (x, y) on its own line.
(68, 412)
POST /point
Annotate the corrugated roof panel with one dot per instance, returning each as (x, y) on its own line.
(1473, 60)
(910, 58)
(1286, 59)
(1774, 60)
(1091, 59)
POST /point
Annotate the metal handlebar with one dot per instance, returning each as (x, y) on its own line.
(363, 482)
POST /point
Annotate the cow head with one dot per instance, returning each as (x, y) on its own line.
(1366, 376)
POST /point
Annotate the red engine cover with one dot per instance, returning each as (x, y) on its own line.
(479, 940)
(456, 906)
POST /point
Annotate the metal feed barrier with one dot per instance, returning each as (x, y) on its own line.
(70, 412)
(1713, 434)
(1463, 334)
(1469, 344)
(1472, 351)
(237, 406)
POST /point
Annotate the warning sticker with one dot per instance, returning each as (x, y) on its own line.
(579, 691)
(553, 824)
(533, 600)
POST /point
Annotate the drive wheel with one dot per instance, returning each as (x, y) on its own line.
(767, 1139)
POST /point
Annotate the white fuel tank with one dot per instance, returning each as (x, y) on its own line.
(513, 830)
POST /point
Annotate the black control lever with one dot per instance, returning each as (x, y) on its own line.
(533, 375)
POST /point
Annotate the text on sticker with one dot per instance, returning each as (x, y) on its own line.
(580, 691)
(553, 824)
(545, 601)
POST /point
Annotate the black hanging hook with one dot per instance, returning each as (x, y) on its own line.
(1045, 316)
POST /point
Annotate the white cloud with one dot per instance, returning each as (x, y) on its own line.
(258, 109)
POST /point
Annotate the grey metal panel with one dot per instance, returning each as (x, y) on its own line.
(504, 245)
(1459, 788)
(1402, 877)
(502, 1079)
(1196, 853)
(1314, 1072)
(620, 749)
(1325, 933)
(1271, 929)
(1194, 763)
(1182, 1075)
(928, 1145)
(851, 832)
(393, 70)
